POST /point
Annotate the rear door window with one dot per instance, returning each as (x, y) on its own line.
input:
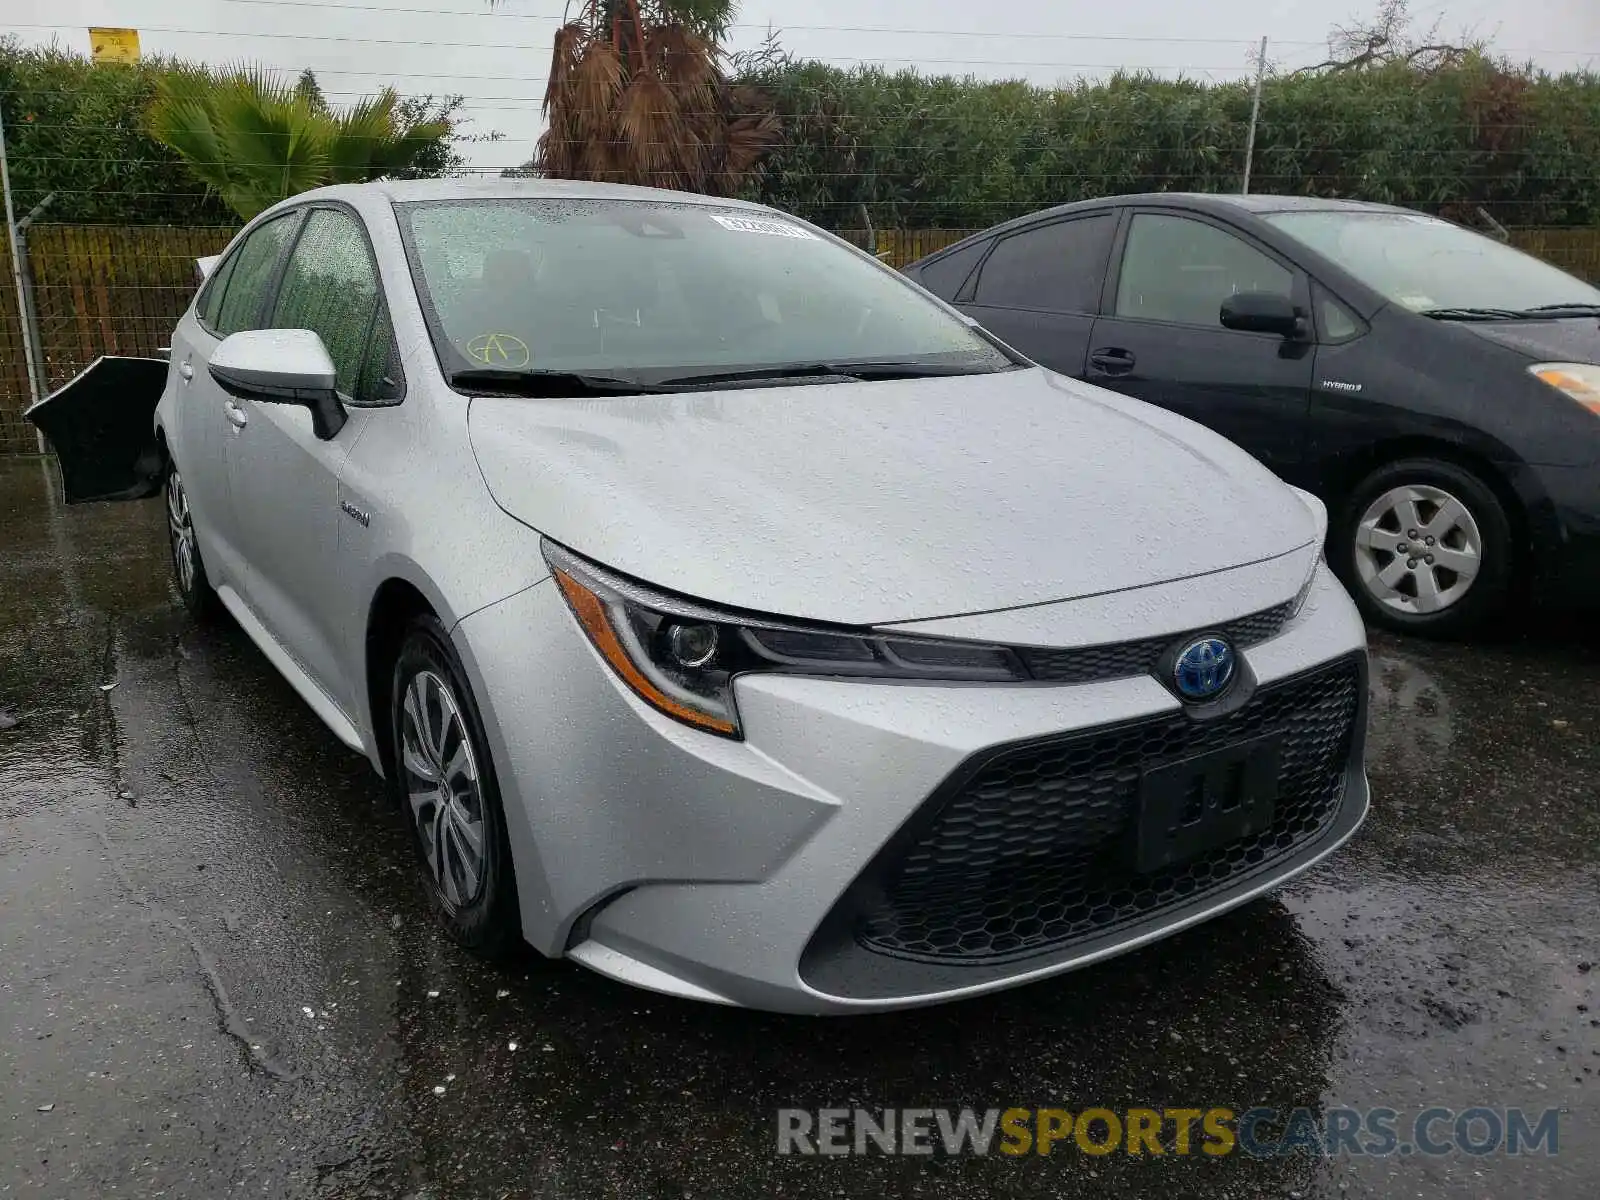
(249, 275)
(1051, 268)
(944, 276)
(211, 294)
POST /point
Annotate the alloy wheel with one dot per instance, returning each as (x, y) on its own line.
(441, 782)
(1418, 549)
(180, 529)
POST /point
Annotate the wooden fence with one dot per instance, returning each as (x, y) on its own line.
(102, 289)
(97, 289)
(16, 435)
(1575, 250)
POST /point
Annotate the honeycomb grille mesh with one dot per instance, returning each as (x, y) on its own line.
(1118, 660)
(1034, 851)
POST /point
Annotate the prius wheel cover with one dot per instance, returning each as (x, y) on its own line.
(1418, 549)
(180, 527)
(442, 783)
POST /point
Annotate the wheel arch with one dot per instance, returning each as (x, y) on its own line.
(1342, 474)
(395, 603)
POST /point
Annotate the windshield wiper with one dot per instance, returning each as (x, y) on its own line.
(1472, 314)
(1566, 310)
(553, 384)
(546, 384)
(1543, 312)
(854, 371)
(912, 370)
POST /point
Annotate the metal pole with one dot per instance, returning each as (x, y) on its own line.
(34, 382)
(30, 315)
(1255, 113)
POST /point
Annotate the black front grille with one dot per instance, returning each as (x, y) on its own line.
(1030, 849)
(1119, 660)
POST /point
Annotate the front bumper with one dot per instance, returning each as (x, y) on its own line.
(1567, 540)
(709, 868)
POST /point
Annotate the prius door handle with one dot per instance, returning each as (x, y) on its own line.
(186, 371)
(235, 414)
(1112, 361)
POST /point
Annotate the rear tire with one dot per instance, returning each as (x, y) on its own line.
(1425, 547)
(188, 568)
(444, 781)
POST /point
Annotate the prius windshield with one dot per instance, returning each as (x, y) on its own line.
(1429, 265)
(666, 293)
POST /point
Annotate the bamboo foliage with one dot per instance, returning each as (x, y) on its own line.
(637, 95)
(919, 151)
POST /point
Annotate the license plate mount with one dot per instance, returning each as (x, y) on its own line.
(1203, 801)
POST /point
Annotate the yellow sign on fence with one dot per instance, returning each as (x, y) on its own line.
(114, 45)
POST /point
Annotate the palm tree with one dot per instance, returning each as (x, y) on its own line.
(637, 95)
(254, 140)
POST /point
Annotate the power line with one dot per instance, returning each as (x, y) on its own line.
(787, 27)
(430, 45)
(897, 31)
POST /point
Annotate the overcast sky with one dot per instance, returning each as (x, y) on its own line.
(499, 59)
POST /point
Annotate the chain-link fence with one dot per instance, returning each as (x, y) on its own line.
(96, 289)
(1574, 250)
(105, 289)
(16, 435)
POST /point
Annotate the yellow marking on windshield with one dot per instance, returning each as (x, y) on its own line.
(498, 350)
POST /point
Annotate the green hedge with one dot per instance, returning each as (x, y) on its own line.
(919, 152)
(76, 128)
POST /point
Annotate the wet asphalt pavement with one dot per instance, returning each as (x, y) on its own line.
(217, 976)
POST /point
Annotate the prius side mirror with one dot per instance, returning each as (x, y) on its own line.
(1263, 312)
(281, 366)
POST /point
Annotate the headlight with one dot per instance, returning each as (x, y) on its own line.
(681, 656)
(1319, 513)
(1581, 381)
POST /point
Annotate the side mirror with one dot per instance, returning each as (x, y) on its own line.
(1263, 312)
(281, 366)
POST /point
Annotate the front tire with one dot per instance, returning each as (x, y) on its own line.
(188, 568)
(448, 794)
(1425, 547)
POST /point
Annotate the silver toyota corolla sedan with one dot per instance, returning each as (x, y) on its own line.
(725, 612)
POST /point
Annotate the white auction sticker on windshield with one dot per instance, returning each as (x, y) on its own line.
(757, 225)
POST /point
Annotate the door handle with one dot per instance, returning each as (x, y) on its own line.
(235, 414)
(186, 371)
(1113, 361)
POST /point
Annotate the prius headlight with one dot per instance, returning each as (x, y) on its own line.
(1581, 381)
(681, 656)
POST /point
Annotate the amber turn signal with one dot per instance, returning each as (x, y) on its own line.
(596, 622)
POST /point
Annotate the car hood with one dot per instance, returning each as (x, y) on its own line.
(1574, 339)
(870, 503)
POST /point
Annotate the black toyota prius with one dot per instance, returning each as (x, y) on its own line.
(1438, 389)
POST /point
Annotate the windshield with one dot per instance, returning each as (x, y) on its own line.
(1427, 264)
(644, 290)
